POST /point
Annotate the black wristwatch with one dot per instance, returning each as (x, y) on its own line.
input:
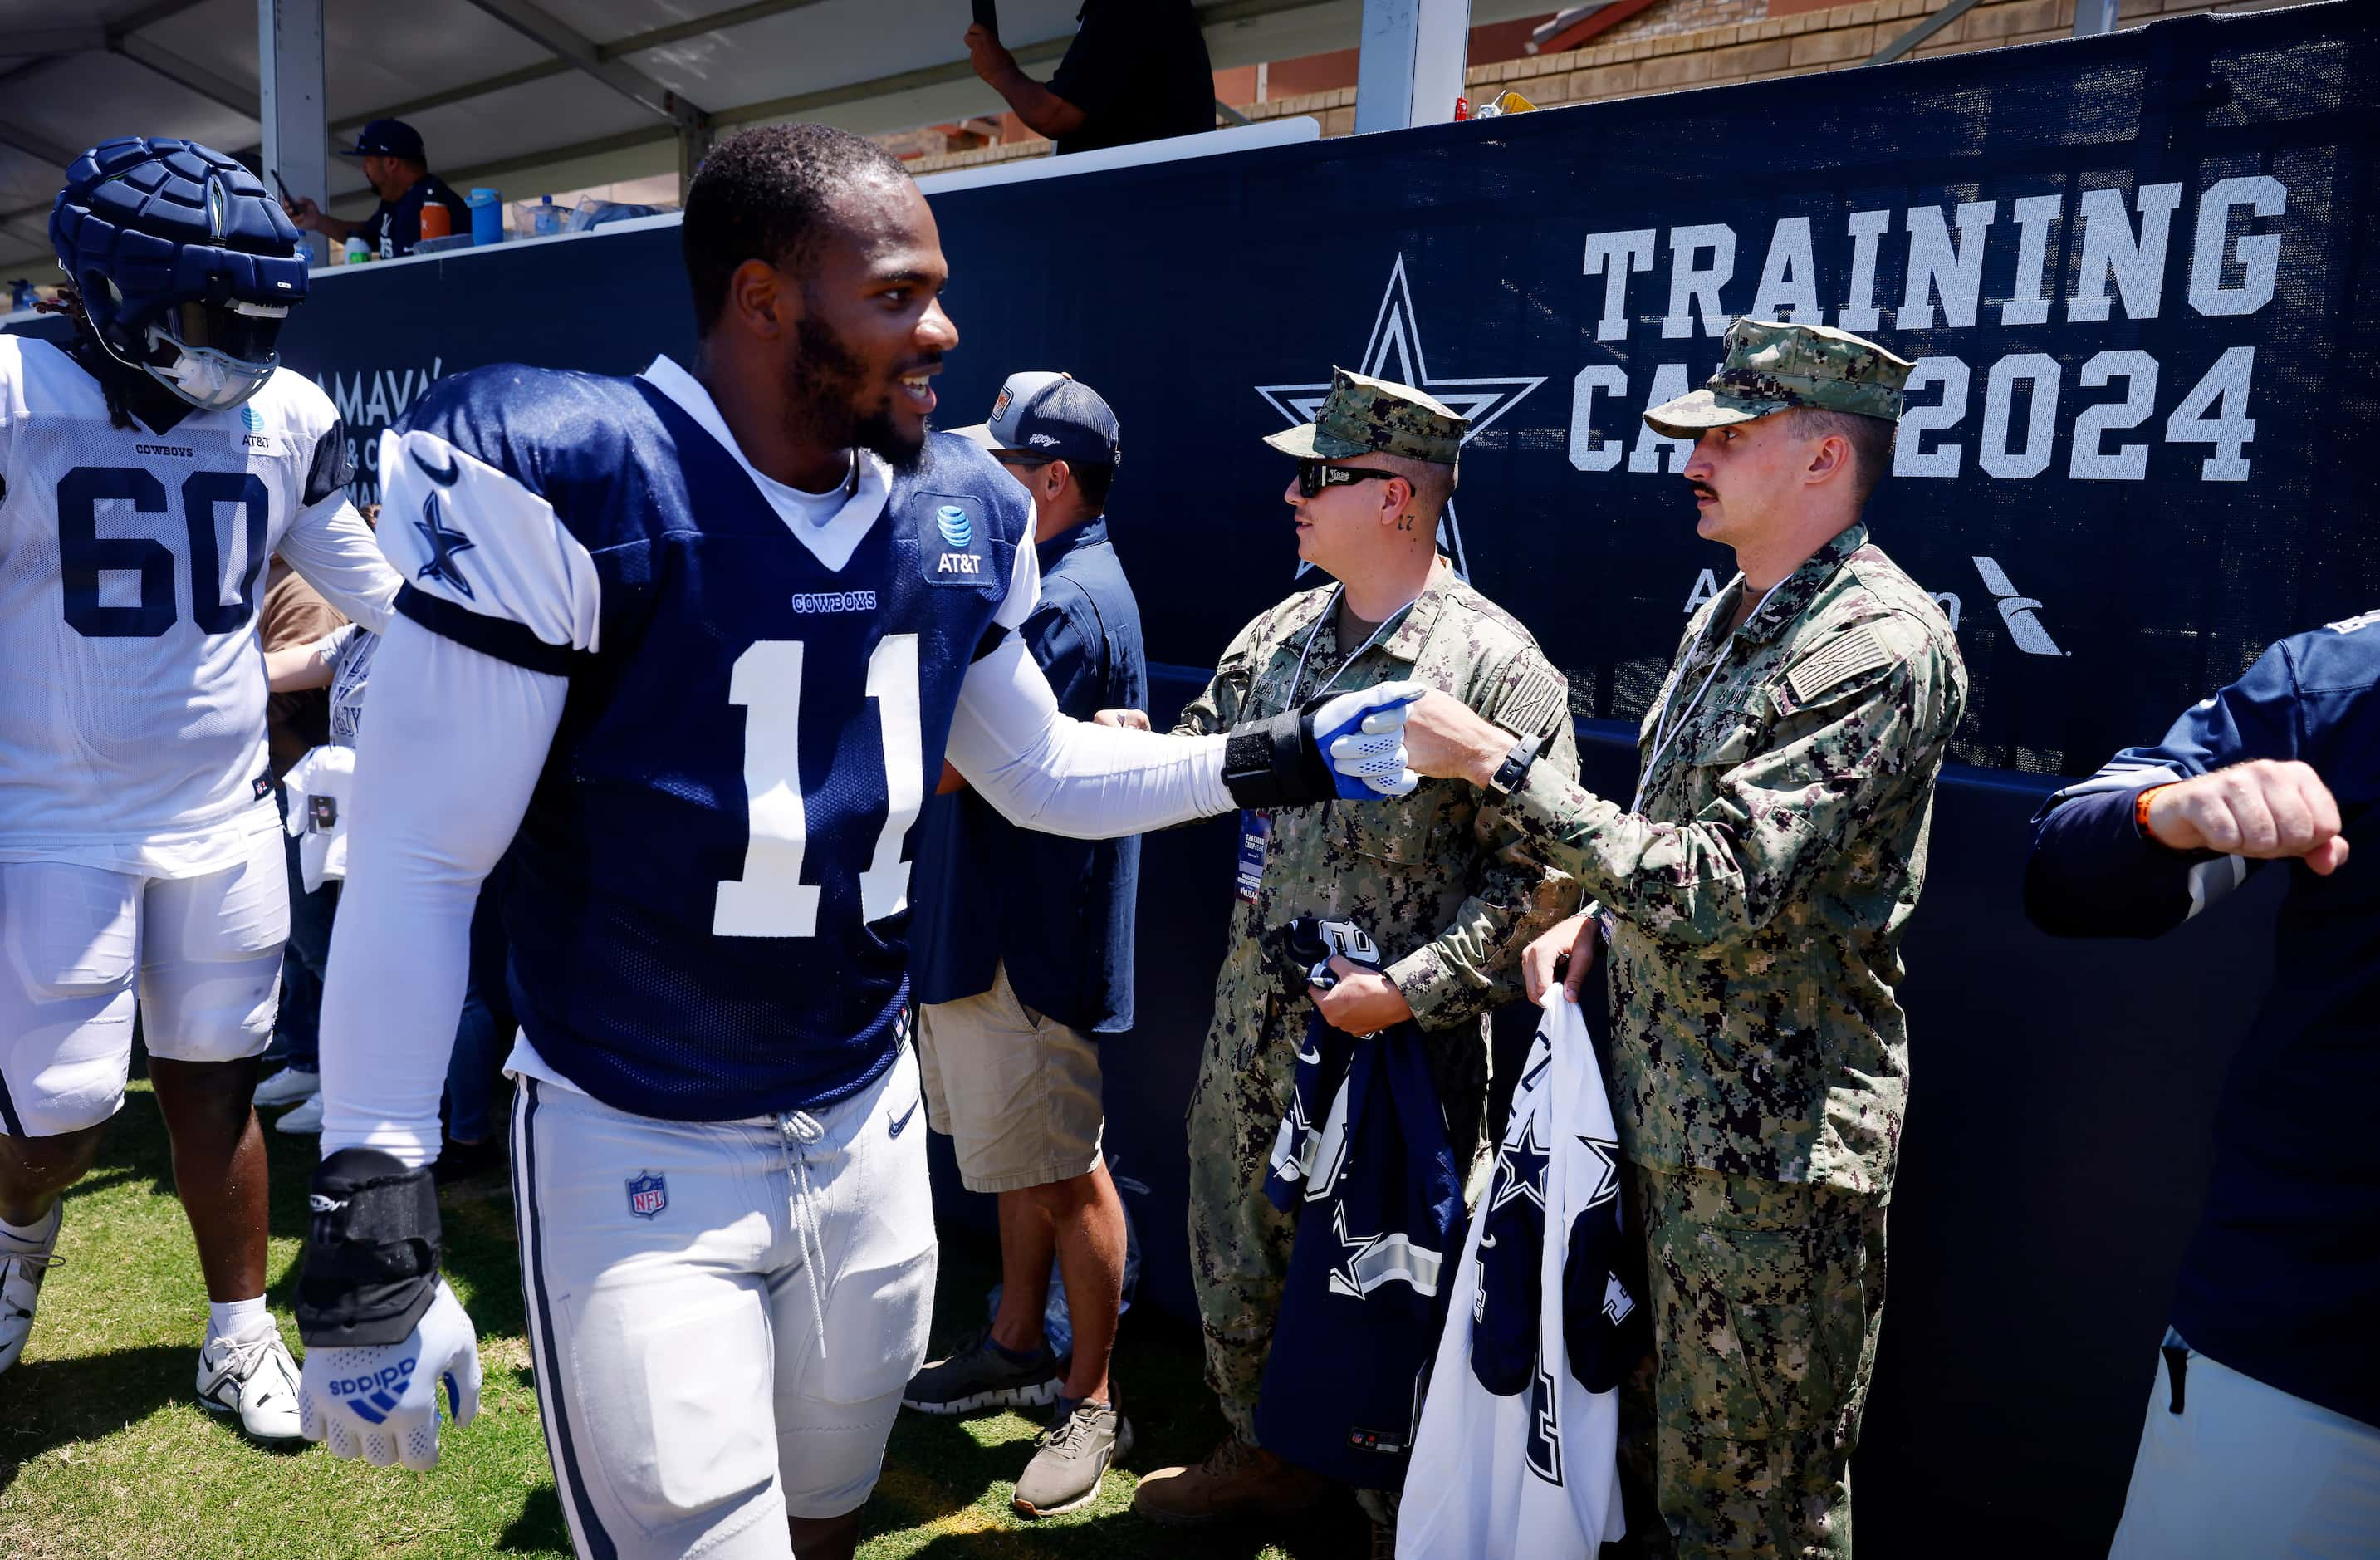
(1515, 767)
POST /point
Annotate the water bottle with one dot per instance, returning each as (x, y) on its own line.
(547, 217)
(358, 249)
(487, 218)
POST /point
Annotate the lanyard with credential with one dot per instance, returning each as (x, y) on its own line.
(1328, 608)
(1255, 825)
(1665, 731)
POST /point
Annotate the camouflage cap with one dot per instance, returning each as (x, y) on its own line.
(1771, 367)
(1368, 416)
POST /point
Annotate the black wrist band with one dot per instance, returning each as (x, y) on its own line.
(1515, 767)
(1275, 763)
(372, 1252)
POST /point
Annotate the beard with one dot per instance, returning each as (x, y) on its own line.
(824, 384)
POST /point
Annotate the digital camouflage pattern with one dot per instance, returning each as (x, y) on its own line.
(1368, 416)
(1770, 368)
(1433, 877)
(1766, 1300)
(1758, 894)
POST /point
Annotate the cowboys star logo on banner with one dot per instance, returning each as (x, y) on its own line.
(1394, 353)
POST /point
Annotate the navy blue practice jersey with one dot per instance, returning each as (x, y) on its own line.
(1363, 1159)
(708, 896)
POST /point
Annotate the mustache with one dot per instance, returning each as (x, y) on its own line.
(1702, 490)
(932, 361)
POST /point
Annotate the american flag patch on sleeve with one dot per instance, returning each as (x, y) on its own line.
(1842, 658)
(1529, 708)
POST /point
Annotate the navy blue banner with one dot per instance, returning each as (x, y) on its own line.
(2136, 273)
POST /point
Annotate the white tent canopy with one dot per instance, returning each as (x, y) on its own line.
(545, 94)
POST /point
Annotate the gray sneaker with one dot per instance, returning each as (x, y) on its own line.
(976, 1376)
(1071, 1458)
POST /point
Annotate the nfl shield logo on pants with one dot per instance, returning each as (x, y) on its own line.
(647, 1194)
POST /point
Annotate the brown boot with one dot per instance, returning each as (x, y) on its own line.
(1238, 1481)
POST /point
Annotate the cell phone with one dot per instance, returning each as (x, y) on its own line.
(987, 16)
(281, 184)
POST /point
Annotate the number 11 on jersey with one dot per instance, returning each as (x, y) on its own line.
(770, 899)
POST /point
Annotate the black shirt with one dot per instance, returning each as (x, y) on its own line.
(1138, 71)
(394, 227)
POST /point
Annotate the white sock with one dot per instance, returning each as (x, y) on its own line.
(26, 1235)
(237, 1319)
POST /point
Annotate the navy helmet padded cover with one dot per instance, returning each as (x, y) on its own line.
(142, 213)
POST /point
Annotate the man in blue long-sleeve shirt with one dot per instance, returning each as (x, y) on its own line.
(2263, 1434)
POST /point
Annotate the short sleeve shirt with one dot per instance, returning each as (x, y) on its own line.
(1138, 70)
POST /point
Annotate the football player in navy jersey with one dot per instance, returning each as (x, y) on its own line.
(694, 644)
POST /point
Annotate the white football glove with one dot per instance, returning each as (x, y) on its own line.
(1363, 735)
(381, 1402)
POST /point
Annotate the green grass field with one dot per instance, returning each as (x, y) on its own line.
(105, 1454)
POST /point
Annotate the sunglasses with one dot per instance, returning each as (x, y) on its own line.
(1030, 462)
(1313, 476)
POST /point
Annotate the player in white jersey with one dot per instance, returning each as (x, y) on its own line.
(149, 470)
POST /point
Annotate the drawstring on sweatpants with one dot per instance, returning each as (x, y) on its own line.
(797, 1132)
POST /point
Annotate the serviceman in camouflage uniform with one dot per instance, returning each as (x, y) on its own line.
(1432, 877)
(1754, 896)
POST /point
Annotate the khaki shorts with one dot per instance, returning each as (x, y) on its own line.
(1017, 1094)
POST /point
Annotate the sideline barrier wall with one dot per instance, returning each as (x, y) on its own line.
(2138, 274)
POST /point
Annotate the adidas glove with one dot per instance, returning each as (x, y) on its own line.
(1350, 746)
(381, 1328)
(380, 1401)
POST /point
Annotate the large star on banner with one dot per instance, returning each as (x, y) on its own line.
(445, 542)
(1394, 353)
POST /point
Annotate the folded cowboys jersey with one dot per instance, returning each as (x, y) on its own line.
(131, 562)
(1515, 1455)
(708, 901)
(1363, 1159)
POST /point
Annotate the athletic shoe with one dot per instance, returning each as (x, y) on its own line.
(979, 1376)
(1071, 1458)
(287, 1087)
(21, 1270)
(254, 1378)
(306, 1120)
(1236, 1480)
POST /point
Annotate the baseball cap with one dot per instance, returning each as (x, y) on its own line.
(1772, 366)
(386, 138)
(1052, 415)
(1366, 416)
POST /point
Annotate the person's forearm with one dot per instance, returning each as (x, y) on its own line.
(1042, 110)
(2093, 873)
(1062, 776)
(295, 670)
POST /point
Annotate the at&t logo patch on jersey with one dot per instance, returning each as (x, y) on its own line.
(954, 540)
(647, 1194)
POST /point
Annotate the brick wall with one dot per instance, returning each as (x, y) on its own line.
(1631, 62)
(1685, 16)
